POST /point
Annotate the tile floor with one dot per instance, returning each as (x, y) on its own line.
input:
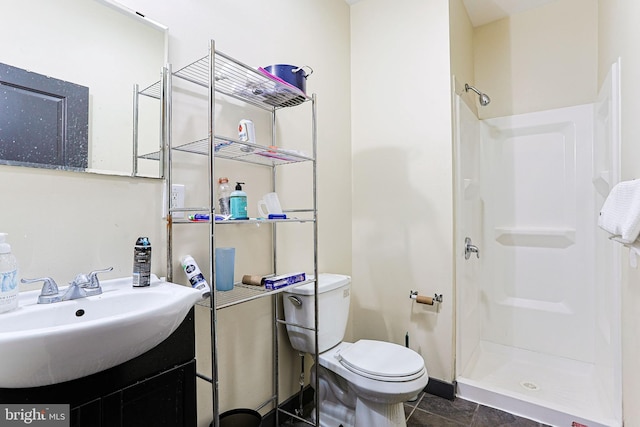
(434, 411)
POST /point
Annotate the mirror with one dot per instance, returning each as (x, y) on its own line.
(96, 44)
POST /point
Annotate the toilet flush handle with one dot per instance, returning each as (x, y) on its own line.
(295, 300)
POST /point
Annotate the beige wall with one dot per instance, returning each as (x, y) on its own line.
(540, 59)
(618, 36)
(402, 178)
(461, 35)
(64, 223)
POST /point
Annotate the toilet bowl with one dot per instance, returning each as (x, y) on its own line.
(377, 370)
(361, 384)
(371, 380)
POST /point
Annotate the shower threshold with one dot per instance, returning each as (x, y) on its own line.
(548, 389)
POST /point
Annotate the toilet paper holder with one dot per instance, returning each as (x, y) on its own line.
(421, 299)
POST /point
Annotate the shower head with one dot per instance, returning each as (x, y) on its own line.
(484, 99)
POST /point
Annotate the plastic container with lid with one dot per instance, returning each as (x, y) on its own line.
(8, 276)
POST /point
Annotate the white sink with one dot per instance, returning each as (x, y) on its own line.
(42, 344)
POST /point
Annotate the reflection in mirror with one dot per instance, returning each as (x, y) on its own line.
(96, 44)
(44, 121)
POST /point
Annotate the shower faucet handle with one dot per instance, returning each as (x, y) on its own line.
(470, 248)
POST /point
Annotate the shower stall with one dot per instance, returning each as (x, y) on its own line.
(537, 283)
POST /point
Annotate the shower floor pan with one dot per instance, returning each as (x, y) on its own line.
(548, 389)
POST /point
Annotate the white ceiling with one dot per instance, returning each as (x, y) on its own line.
(484, 11)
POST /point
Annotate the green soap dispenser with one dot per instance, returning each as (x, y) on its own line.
(238, 203)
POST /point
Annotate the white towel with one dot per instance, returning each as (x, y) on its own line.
(620, 214)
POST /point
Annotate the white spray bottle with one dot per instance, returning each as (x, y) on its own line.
(195, 276)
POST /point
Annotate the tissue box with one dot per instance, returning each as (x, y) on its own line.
(277, 282)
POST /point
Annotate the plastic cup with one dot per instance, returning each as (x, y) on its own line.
(225, 265)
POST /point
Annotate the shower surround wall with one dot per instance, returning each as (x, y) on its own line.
(535, 335)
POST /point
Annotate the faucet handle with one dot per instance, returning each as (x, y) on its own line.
(89, 282)
(49, 291)
(93, 277)
(81, 280)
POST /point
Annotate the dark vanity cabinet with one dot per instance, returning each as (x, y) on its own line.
(162, 400)
(157, 388)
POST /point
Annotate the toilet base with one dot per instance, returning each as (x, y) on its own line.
(333, 415)
(379, 414)
(340, 405)
(368, 414)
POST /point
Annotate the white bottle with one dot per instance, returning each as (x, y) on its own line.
(8, 277)
(195, 276)
(246, 131)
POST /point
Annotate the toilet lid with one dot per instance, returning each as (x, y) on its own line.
(382, 361)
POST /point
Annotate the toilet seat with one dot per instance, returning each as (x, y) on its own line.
(382, 361)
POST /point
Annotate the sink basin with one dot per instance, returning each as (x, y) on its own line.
(42, 344)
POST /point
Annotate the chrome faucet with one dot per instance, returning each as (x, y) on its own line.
(84, 285)
(74, 291)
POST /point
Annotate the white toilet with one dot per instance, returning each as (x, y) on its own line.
(362, 384)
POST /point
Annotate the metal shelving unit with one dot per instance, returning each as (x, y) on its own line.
(219, 73)
(243, 293)
(151, 91)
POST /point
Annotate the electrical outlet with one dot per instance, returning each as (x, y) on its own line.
(177, 199)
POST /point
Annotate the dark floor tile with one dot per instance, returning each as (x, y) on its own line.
(458, 410)
(434, 411)
(489, 417)
(414, 403)
(420, 418)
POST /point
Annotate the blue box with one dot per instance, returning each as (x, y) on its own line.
(277, 282)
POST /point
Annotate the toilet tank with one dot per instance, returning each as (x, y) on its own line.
(333, 307)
